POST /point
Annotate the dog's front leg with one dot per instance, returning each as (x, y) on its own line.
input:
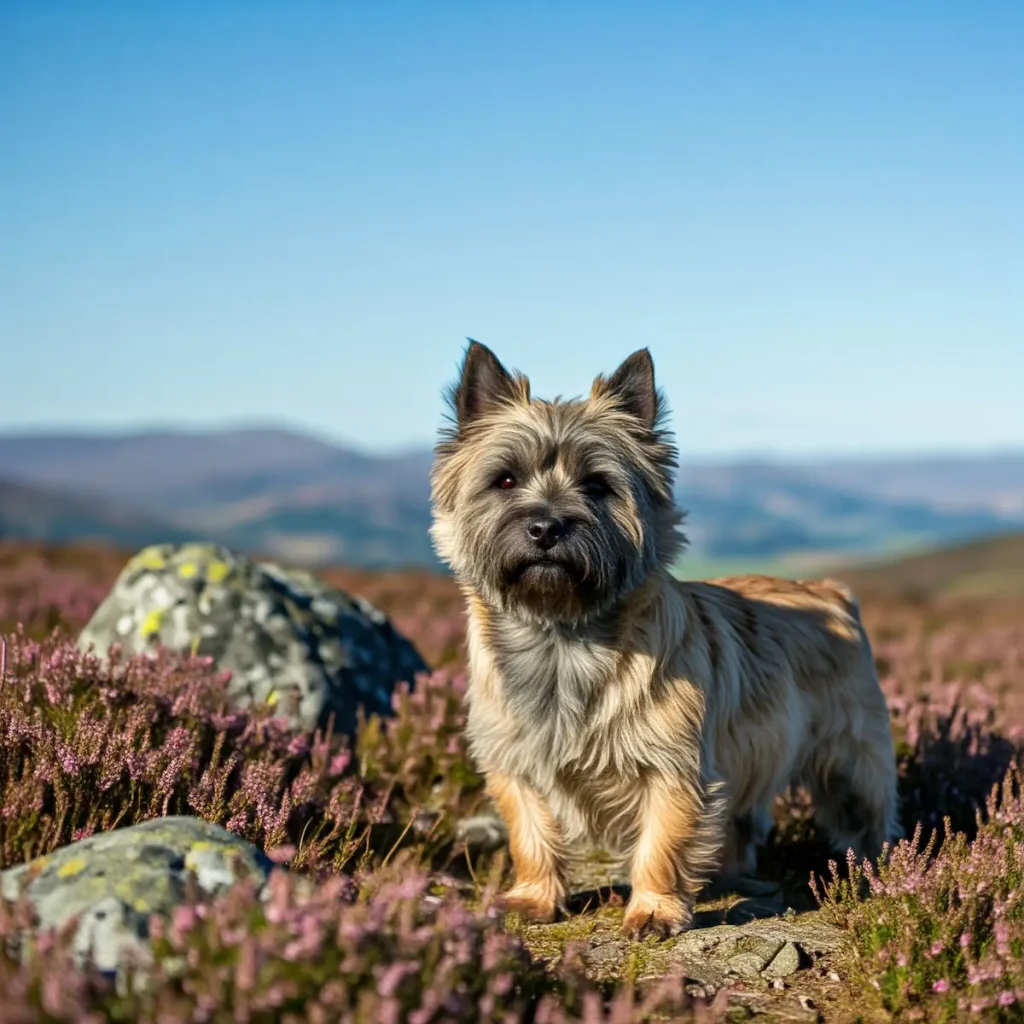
(671, 850)
(538, 852)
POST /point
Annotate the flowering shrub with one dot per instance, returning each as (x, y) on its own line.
(942, 934)
(87, 747)
(387, 951)
(420, 753)
(40, 596)
(956, 694)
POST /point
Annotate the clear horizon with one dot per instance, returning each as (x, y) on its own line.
(222, 212)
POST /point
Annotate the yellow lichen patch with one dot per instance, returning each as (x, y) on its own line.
(217, 571)
(200, 552)
(134, 882)
(187, 570)
(192, 858)
(143, 906)
(272, 698)
(151, 623)
(149, 558)
(73, 867)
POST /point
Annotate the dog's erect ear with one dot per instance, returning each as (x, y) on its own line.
(632, 387)
(484, 383)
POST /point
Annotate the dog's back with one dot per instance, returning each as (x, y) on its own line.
(793, 697)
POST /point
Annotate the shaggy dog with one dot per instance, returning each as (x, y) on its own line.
(609, 702)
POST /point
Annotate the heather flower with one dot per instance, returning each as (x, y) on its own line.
(152, 737)
(949, 920)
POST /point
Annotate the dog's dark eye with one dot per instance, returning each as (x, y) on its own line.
(505, 482)
(596, 487)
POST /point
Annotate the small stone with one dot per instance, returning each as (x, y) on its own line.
(806, 1002)
(832, 976)
(786, 962)
(779, 985)
(750, 964)
(745, 965)
(608, 955)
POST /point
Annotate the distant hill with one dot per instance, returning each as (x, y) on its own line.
(309, 500)
(993, 567)
(994, 482)
(34, 513)
(206, 469)
(759, 510)
(264, 489)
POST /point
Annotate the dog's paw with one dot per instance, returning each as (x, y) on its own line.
(658, 914)
(532, 901)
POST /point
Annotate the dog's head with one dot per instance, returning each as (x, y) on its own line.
(554, 509)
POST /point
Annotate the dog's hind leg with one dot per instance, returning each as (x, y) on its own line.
(852, 781)
(745, 833)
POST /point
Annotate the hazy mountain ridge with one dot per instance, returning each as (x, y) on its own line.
(29, 512)
(310, 500)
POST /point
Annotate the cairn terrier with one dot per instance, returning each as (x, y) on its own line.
(611, 703)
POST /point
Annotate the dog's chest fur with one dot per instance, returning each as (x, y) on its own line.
(551, 705)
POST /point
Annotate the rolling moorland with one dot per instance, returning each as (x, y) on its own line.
(403, 918)
(317, 503)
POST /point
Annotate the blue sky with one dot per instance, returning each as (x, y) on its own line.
(813, 214)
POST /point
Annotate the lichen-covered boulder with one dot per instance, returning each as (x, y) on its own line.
(114, 881)
(287, 638)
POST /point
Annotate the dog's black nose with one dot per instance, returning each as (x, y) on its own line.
(546, 532)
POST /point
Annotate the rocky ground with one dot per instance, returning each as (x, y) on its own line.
(198, 825)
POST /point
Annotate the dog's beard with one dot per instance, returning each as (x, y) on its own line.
(551, 588)
(572, 584)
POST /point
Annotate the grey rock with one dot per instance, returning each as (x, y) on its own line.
(287, 638)
(709, 955)
(746, 965)
(109, 934)
(757, 955)
(785, 964)
(809, 931)
(608, 952)
(114, 881)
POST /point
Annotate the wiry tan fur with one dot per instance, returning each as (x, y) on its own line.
(608, 701)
